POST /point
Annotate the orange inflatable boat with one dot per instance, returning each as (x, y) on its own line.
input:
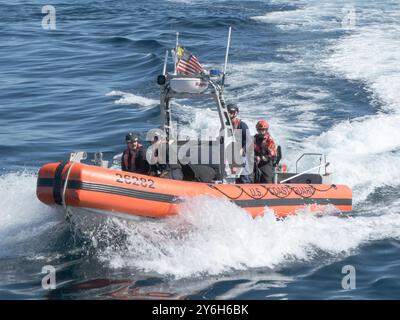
(96, 188)
(92, 187)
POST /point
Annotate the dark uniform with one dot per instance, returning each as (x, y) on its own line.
(134, 157)
(265, 155)
(135, 161)
(238, 124)
(162, 166)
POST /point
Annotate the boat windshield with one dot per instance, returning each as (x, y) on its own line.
(195, 119)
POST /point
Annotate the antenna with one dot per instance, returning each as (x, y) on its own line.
(176, 51)
(226, 54)
(165, 63)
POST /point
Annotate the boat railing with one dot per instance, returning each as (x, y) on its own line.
(322, 158)
(77, 156)
(306, 171)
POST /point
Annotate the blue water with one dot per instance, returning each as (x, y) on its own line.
(323, 85)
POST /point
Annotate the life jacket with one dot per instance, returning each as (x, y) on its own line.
(239, 125)
(236, 123)
(131, 165)
(265, 147)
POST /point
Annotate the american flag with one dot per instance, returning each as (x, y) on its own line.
(188, 64)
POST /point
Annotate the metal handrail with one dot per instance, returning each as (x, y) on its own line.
(312, 154)
(304, 172)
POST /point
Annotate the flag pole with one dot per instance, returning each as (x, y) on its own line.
(176, 51)
(226, 54)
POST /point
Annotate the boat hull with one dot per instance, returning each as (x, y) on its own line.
(133, 194)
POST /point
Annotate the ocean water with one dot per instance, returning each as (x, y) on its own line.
(326, 76)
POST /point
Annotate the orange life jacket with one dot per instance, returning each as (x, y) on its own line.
(267, 147)
(236, 123)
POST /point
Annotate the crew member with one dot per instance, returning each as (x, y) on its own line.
(265, 154)
(158, 155)
(238, 124)
(152, 155)
(134, 156)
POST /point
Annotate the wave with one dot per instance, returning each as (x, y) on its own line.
(118, 40)
(147, 45)
(366, 150)
(371, 55)
(23, 218)
(213, 236)
(365, 153)
(209, 237)
(306, 16)
(130, 98)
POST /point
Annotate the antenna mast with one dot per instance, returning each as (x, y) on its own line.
(226, 54)
(176, 51)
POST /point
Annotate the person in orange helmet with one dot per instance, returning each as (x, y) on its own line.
(264, 153)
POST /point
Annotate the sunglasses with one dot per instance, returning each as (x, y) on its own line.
(132, 141)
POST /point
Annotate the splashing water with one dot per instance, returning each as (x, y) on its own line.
(212, 236)
(22, 216)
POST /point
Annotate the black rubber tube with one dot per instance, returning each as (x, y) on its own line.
(58, 183)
